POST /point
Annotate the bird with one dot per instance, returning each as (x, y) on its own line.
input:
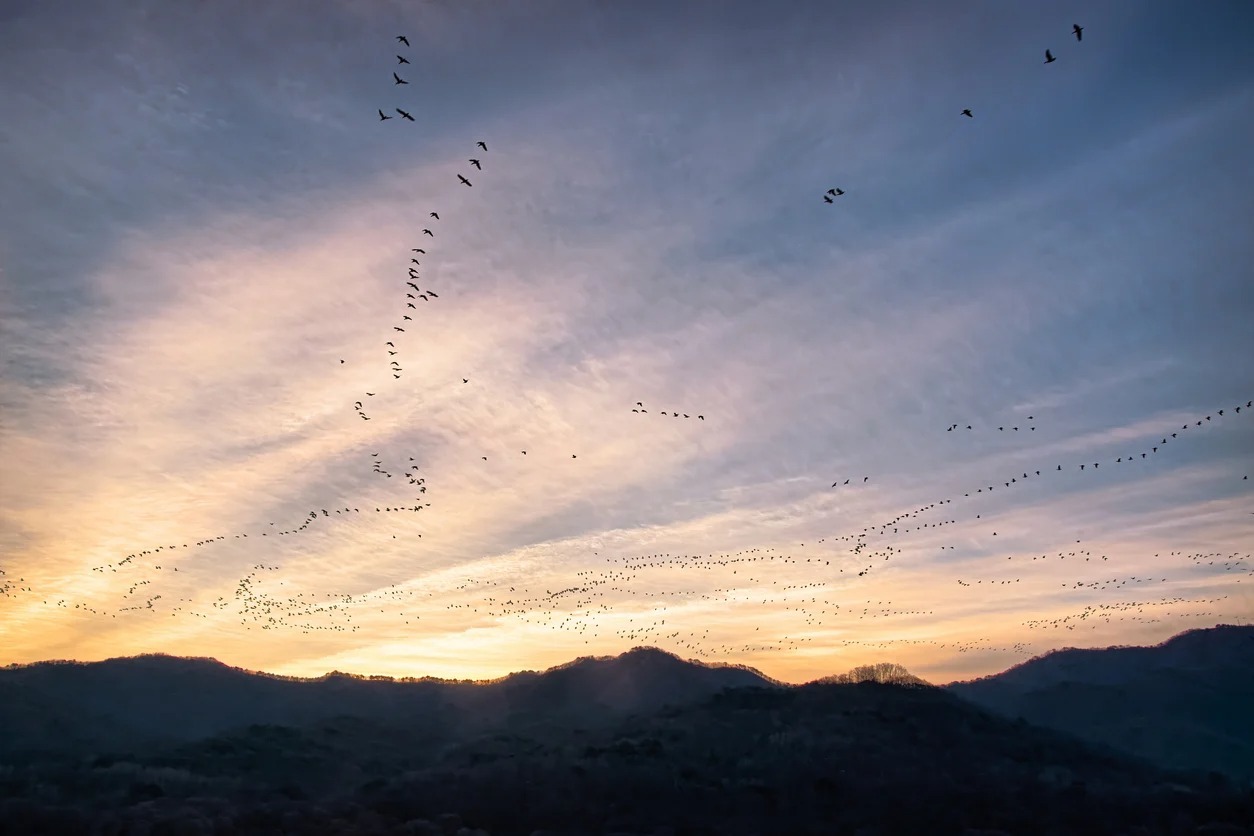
(475, 163)
(399, 80)
(1049, 57)
(416, 261)
(383, 118)
(400, 59)
(482, 145)
(827, 198)
(463, 179)
(835, 192)
(414, 286)
(403, 39)
(403, 113)
(435, 215)
(967, 113)
(432, 295)
(1078, 30)
(465, 380)
(398, 328)
(428, 232)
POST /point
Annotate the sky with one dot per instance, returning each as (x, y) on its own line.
(205, 236)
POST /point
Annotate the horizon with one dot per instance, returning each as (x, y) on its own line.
(202, 276)
(571, 662)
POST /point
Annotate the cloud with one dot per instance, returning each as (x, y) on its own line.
(175, 374)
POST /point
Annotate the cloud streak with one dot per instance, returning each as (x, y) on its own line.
(173, 367)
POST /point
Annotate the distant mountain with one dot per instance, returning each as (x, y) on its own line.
(145, 700)
(641, 743)
(1182, 704)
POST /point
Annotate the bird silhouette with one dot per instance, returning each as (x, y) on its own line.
(418, 250)
(464, 180)
(1049, 57)
(403, 39)
(1079, 31)
(428, 232)
(827, 198)
(968, 114)
(435, 215)
(482, 145)
(404, 114)
(383, 118)
(475, 163)
(835, 192)
(399, 80)
(400, 59)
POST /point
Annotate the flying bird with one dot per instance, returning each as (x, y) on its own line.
(1049, 57)
(967, 113)
(383, 118)
(398, 328)
(403, 113)
(482, 145)
(403, 39)
(428, 232)
(399, 80)
(463, 179)
(1079, 31)
(827, 198)
(835, 192)
(400, 59)
(418, 250)
(475, 163)
(435, 215)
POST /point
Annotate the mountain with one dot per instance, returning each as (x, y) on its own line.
(144, 700)
(642, 743)
(1182, 704)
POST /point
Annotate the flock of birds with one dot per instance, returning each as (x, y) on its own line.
(644, 598)
(831, 194)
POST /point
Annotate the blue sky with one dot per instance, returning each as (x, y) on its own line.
(203, 215)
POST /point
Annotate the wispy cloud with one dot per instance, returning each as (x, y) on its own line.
(176, 302)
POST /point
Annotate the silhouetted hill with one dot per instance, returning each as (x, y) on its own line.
(1181, 704)
(70, 706)
(864, 758)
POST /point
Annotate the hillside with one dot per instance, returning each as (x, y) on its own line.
(1182, 704)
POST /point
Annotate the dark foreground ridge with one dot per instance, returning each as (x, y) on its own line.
(640, 743)
(1182, 704)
